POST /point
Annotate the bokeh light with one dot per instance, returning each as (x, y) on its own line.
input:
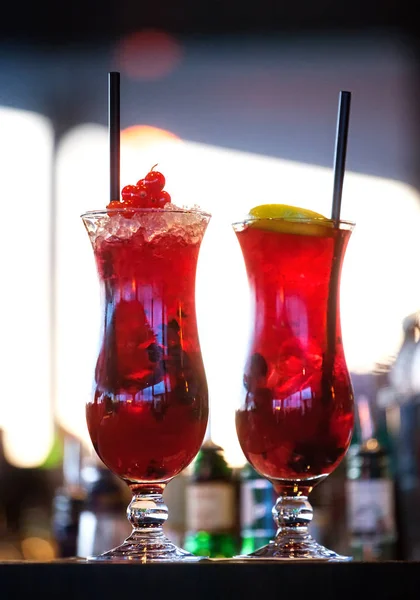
(26, 153)
(148, 55)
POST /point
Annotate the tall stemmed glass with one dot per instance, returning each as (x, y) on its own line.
(148, 413)
(296, 416)
(295, 420)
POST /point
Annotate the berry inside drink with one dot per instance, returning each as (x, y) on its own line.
(296, 417)
(148, 414)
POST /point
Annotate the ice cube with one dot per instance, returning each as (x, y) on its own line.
(188, 224)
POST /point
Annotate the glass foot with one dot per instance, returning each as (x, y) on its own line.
(147, 547)
(292, 515)
(299, 547)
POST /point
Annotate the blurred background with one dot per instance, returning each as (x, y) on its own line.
(237, 103)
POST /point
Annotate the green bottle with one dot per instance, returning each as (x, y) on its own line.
(257, 501)
(211, 505)
(371, 511)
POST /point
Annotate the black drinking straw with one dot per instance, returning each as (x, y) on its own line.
(332, 307)
(114, 133)
(340, 153)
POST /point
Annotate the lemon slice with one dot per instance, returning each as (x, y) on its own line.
(289, 219)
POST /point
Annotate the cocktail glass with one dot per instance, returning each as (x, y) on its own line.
(148, 413)
(295, 419)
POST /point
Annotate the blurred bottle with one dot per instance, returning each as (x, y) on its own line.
(69, 500)
(211, 516)
(174, 496)
(403, 406)
(323, 527)
(257, 499)
(402, 376)
(408, 480)
(370, 488)
(103, 523)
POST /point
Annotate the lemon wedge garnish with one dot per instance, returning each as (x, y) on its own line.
(289, 219)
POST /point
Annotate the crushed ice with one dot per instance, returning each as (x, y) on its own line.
(187, 223)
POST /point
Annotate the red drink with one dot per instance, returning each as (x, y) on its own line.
(148, 414)
(296, 417)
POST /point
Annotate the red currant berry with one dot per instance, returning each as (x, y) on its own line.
(141, 182)
(129, 191)
(114, 204)
(141, 200)
(152, 202)
(128, 203)
(162, 199)
(155, 181)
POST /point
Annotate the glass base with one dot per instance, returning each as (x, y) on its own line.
(147, 547)
(295, 548)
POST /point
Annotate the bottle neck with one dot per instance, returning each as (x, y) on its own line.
(211, 464)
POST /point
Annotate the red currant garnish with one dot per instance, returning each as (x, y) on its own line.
(162, 199)
(114, 204)
(129, 191)
(141, 200)
(147, 193)
(155, 182)
(152, 202)
(158, 201)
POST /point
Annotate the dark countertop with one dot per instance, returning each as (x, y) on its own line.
(61, 580)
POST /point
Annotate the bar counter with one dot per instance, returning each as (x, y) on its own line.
(210, 580)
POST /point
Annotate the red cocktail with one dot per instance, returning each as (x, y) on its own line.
(148, 414)
(296, 416)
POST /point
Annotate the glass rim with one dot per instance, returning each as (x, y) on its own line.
(306, 220)
(110, 211)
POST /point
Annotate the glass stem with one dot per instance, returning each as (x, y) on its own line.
(147, 509)
(292, 515)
